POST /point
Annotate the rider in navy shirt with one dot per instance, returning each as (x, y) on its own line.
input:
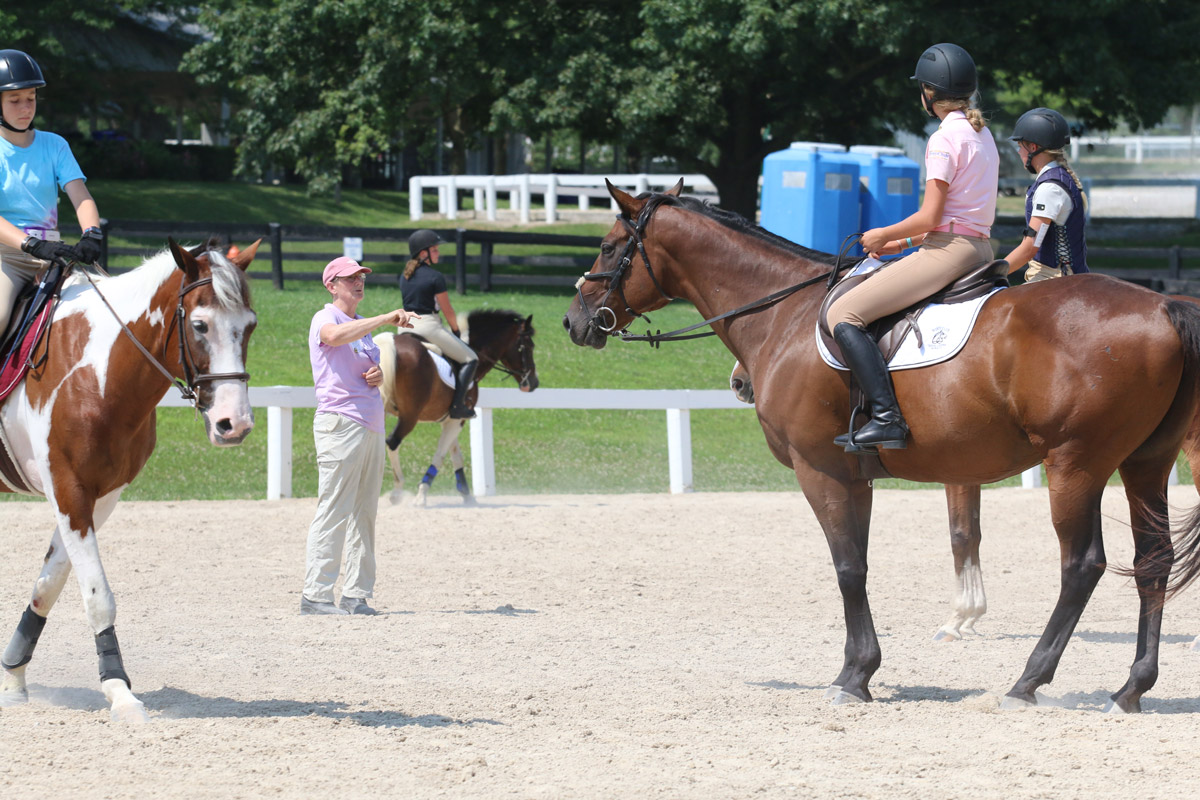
(424, 292)
(1053, 244)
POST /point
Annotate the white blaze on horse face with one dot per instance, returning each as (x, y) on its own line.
(220, 332)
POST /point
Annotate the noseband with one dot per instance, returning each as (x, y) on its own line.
(522, 377)
(192, 380)
(616, 277)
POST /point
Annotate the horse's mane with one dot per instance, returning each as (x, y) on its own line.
(737, 222)
(488, 323)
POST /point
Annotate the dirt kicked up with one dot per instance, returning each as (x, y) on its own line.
(588, 646)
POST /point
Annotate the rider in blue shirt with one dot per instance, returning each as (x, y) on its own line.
(34, 166)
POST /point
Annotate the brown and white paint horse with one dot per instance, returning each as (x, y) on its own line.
(82, 425)
(413, 392)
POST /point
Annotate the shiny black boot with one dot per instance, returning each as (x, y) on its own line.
(886, 428)
(463, 378)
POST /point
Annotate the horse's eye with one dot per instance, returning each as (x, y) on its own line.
(607, 249)
(200, 326)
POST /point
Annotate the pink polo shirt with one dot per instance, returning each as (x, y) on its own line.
(338, 372)
(967, 160)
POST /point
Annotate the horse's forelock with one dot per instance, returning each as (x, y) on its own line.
(486, 323)
(229, 283)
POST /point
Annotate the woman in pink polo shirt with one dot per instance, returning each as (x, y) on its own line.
(962, 170)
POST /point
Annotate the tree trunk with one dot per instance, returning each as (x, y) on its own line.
(737, 184)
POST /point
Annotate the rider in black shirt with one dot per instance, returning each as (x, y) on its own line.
(424, 292)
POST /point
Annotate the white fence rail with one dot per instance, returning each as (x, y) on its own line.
(521, 189)
(677, 403)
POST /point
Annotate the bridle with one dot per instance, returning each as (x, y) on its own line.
(524, 348)
(192, 379)
(617, 275)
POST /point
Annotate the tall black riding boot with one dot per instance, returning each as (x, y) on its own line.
(886, 428)
(463, 379)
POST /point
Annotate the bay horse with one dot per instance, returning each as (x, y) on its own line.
(1088, 376)
(81, 425)
(413, 392)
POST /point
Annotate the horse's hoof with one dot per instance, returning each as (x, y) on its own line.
(832, 691)
(844, 698)
(947, 635)
(1010, 703)
(14, 697)
(468, 500)
(129, 713)
(1196, 645)
(396, 497)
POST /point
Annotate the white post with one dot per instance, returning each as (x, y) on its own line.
(483, 466)
(491, 198)
(1075, 150)
(441, 189)
(525, 197)
(1139, 152)
(584, 201)
(452, 198)
(679, 449)
(279, 452)
(414, 198)
(478, 200)
(1031, 478)
(643, 184)
(551, 198)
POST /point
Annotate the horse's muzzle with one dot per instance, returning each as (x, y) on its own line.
(583, 330)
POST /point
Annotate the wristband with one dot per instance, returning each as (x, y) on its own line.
(909, 240)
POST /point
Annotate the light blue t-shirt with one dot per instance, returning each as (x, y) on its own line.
(31, 177)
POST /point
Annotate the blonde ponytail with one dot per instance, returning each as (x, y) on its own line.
(963, 104)
(1061, 158)
(411, 267)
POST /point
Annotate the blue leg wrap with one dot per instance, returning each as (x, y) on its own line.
(24, 639)
(460, 482)
(109, 651)
(430, 474)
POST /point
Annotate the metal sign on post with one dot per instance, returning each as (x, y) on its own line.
(352, 247)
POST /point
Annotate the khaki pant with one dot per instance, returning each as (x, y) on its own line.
(943, 258)
(18, 269)
(1037, 271)
(350, 472)
(452, 347)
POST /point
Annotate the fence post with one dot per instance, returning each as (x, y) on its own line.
(490, 192)
(414, 198)
(551, 198)
(460, 260)
(485, 267)
(279, 452)
(483, 465)
(1197, 200)
(679, 449)
(1032, 477)
(104, 226)
(276, 231)
(525, 199)
(452, 198)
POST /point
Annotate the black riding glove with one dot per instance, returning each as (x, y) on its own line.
(90, 246)
(47, 250)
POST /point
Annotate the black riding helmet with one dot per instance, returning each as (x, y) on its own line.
(19, 71)
(1043, 127)
(949, 69)
(422, 240)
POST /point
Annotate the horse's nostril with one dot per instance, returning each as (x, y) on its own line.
(566, 323)
(224, 426)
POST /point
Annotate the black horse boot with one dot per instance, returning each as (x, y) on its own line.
(463, 379)
(886, 428)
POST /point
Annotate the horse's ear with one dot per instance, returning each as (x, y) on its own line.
(243, 258)
(627, 203)
(529, 322)
(676, 189)
(184, 260)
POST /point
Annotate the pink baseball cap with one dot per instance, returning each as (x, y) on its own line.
(342, 266)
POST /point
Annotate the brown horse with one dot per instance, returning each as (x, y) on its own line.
(82, 425)
(413, 392)
(1088, 376)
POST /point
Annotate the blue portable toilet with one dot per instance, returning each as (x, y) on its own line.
(810, 194)
(890, 184)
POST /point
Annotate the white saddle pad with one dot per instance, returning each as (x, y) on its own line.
(944, 331)
(443, 369)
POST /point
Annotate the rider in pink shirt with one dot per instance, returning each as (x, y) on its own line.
(962, 169)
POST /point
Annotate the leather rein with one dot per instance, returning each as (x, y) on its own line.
(191, 381)
(617, 275)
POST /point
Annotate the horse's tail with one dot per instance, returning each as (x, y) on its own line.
(1185, 316)
(387, 363)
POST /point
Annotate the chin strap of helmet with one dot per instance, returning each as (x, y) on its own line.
(1029, 167)
(4, 123)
